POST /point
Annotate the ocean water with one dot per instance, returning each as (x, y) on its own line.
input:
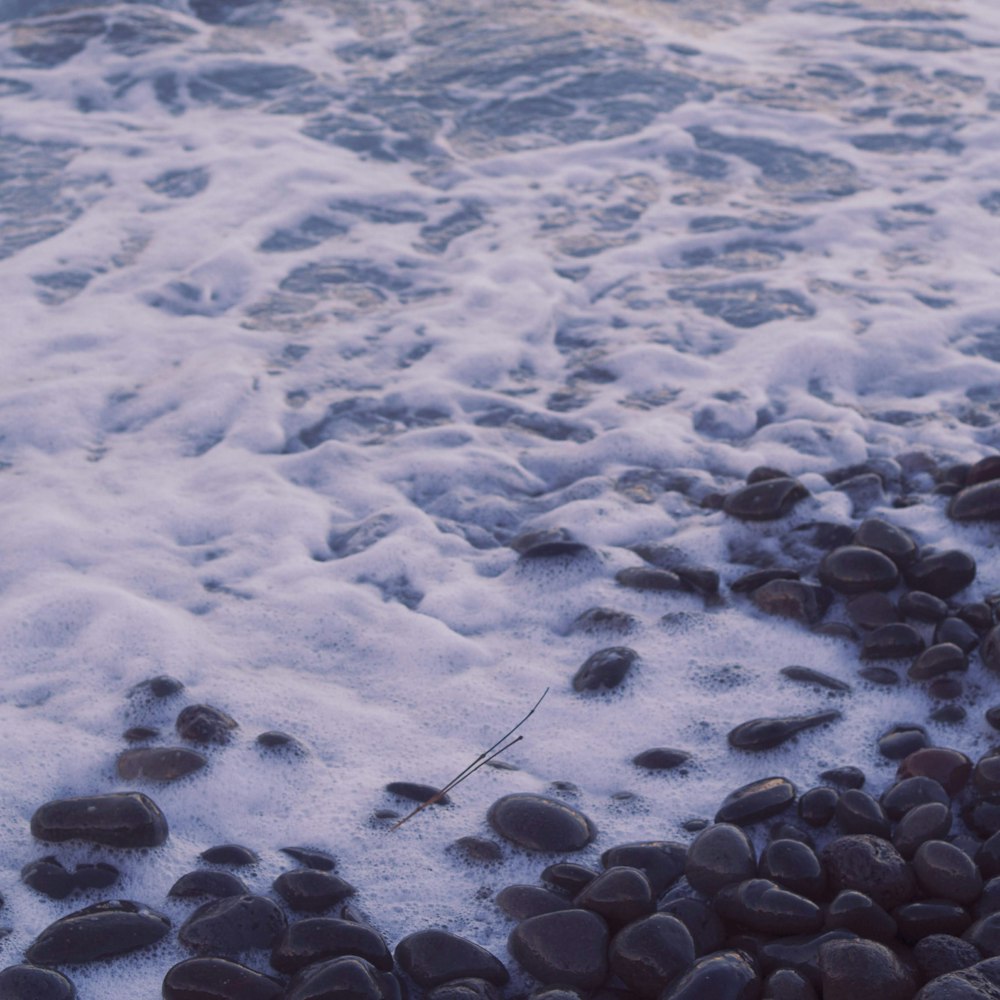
(310, 308)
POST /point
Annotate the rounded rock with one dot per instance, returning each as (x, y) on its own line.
(307, 890)
(756, 800)
(233, 855)
(930, 821)
(766, 500)
(205, 724)
(858, 812)
(661, 759)
(232, 925)
(120, 819)
(951, 768)
(818, 805)
(918, 919)
(863, 970)
(979, 502)
(720, 855)
(218, 979)
(568, 948)
(787, 984)
(941, 658)
(28, 982)
(522, 901)
(205, 882)
(724, 975)
(938, 954)
(854, 569)
(571, 877)
(317, 939)
(311, 857)
(794, 866)
(537, 823)
(606, 669)
(433, 957)
(704, 925)
(980, 982)
(854, 911)
(346, 977)
(465, 989)
(947, 871)
(767, 908)
(874, 533)
(898, 641)
(649, 953)
(661, 861)
(922, 607)
(619, 895)
(870, 865)
(159, 763)
(942, 574)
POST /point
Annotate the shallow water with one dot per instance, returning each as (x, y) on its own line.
(310, 308)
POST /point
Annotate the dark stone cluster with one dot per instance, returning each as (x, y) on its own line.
(832, 893)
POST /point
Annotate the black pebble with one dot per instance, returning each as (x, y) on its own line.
(50, 878)
(755, 801)
(802, 602)
(645, 578)
(605, 669)
(465, 989)
(979, 502)
(309, 891)
(724, 975)
(863, 970)
(97, 932)
(938, 954)
(851, 910)
(898, 641)
(846, 776)
(661, 861)
(793, 865)
(661, 759)
(763, 734)
(901, 741)
(416, 793)
(989, 651)
(942, 574)
(205, 724)
(853, 569)
(957, 632)
(346, 977)
(941, 658)
(882, 676)
(27, 982)
(120, 819)
(930, 821)
(522, 901)
(233, 925)
(951, 768)
(568, 876)
(317, 939)
(807, 675)
(922, 607)
(311, 857)
(234, 855)
(765, 500)
(163, 686)
(605, 620)
(872, 610)
(921, 917)
(567, 948)
(858, 812)
(947, 872)
(979, 982)
(766, 908)
(900, 798)
(280, 742)
(817, 806)
(749, 582)
(870, 865)
(651, 952)
(206, 882)
(704, 925)
(619, 895)
(158, 763)
(799, 952)
(874, 533)
(432, 957)
(217, 979)
(545, 543)
(139, 734)
(537, 823)
(720, 855)
(787, 984)
(478, 850)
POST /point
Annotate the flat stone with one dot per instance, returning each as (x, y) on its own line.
(218, 979)
(755, 801)
(901, 741)
(749, 582)
(50, 878)
(311, 857)
(537, 823)
(232, 925)
(204, 882)
(649, 953)
(317, 939)
(854, 569)
(606, 669)
(766, 500)
(414, 792)
(276, 742)
(646, 578)
(28, 982)
(980, 502)
(159, 763)
(724, 975)
(569, 876)
(568, 948)
(661, 759)
(477, 850)
(432, 957)
(942, 658)
(871, 865)
(921, 917)
(547, 543)
(942, 574)
(120, 819)
(763, 734)
(233, 855)
(346, 977)
(765, 907)
(96, 932)
(205, 724)
(806, 675)
(859, 812)
(875, 533)
(897, 641)
(307, 890)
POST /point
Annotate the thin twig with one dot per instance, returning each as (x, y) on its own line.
(484, 758)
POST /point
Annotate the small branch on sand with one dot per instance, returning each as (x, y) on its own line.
(484, 758)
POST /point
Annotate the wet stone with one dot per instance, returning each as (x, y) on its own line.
(724, 975)
(644, 578)
(50, 878)
(901, 741)
(936, 660)
(96, 932)
(207, 883)
(951, 768)
(921, 917)
(806, 675)
(799, 952)
(547, 543)
(707, 931)
(567, 876)
(894, 542)
(27, 982)
(938, 954)
(942, 574)
(988, 859)
(979, 502)
(900, 798)
(346, 977)
(567, 948)
(415, 792)
(763, 734)
(835, 630)
(765, 907)
(478, 850)
(863, 970)
(719, 856)
(306, 890)
(749, 582)
(853, 569)
(992, 716)
(317, 939)
(882, 676)
(649, 953)
(661, 861)
(311, 857)
(159, 763)
(205, 724)
(140, 734)
(858, 812)
(661, 759)
(897, 641)
(537, 823)
(522, 901)
(787, 984)
(218, 979)
(432, 957)
(817, 806)
(606, 669)
(465, 989)
(278, 742)
(947, 872)
(802, 602)
(945, 689)
(121, 819)
(846, 776)
(922, 607)
(872, 610)
(794, 866)
(233, 855)
(162, 686)
(957, 632)
(989, 650)
(766, 500)
(854, 911)
(607, 620)
(619, 895)
(233, 925)
(870, 865)
(979, 982)
(756, 800)
(986, 775)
